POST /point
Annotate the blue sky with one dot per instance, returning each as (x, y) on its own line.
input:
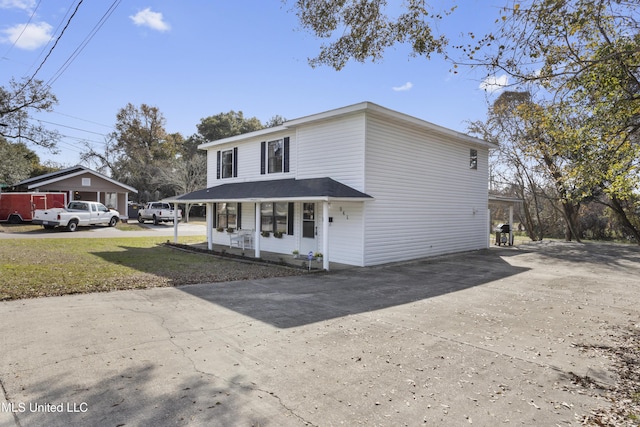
(193, 59)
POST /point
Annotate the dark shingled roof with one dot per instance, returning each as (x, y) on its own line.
(276, 189)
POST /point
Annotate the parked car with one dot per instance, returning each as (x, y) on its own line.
(77, 213)
(158, 212)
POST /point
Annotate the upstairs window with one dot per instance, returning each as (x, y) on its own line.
(274, 156)
(227, 163)
(473, 159)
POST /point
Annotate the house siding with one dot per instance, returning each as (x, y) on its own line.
(427, 199)
(248, 161)
(346, 233)
(333, 149)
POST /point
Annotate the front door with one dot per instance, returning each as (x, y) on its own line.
(309, 230)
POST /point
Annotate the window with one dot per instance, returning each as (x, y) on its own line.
(227, 163)
(308, 220)
(275, 156)
(274, 217)
(473, 159)
(111, 200)
(227, 215)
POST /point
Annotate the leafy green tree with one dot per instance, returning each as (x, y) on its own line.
(363, 29)
(138, 150)
(224, 125)
(585, 55)
(16, 162)
(17, 103)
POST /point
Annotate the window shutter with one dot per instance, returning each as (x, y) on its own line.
(215, 215)
(263, 160)
(235, 162)
(239, 216)
(218, 166)
(286, 154)
(290, 220)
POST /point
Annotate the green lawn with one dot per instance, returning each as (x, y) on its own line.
(57, 266)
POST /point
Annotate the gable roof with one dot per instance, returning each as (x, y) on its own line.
(368, 107)
(280, 189)
(52, 177)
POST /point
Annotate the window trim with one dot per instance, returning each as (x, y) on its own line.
(269, 157)
(226, 214)
(221, 164)
(288, 229)
(265, 160)
(473, 159)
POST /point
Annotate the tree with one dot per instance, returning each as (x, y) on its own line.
(16, 105)
(16, 162)
(224, 125)
(537, 157)
(274, 121)
(138, 150)
(585, 55)
(364, 29)
(513, 172)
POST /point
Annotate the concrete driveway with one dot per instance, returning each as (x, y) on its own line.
(496, 337)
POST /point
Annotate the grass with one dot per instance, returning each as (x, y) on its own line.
(57, 266)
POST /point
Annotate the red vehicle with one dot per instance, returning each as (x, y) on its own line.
(19, 207)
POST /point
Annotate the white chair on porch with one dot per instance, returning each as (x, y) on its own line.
(241, 239)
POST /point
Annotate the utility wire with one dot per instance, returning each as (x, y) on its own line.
(71, 127)
(44, 48)
(23, 29)
(84, 43)
(50, 50)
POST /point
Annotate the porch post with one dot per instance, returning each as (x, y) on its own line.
(511, 224)
(209, 214)
(256, 237)
(175, 223)
(325, 235)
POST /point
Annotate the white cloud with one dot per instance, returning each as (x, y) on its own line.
(494, 84)
(148, 18)
(18, 4)
(27, 36)
(404, 87)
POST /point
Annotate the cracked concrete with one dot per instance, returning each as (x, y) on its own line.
(483, 338)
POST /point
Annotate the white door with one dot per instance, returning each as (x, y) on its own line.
(309, 239)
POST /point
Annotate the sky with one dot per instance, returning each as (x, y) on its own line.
(194, 59)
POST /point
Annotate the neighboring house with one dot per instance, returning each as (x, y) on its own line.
(81, 183)
(363, 185)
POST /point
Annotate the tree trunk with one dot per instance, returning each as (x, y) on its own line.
(616, 205)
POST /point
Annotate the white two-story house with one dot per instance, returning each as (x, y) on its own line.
(363, 185)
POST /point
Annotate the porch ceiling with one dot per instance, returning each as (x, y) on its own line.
(281, 189)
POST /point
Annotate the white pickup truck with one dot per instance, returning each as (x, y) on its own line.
(158, 212)
(77, 213)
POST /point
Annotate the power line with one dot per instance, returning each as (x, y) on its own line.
(62, 20)
(84, 120)
(84, 43)
(23, 29)
(71, 127)
(52, 47)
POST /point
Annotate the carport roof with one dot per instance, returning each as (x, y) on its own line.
(281, 189)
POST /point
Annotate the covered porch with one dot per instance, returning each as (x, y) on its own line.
(508, 203)
(304, 217)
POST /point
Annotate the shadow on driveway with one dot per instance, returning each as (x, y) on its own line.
(295, 301)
